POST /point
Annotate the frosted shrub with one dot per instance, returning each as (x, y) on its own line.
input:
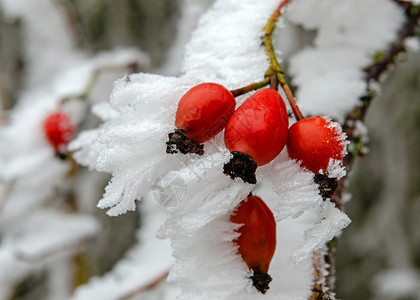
(186, 200)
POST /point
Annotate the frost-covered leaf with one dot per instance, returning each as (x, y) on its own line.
(333, 221)
(293, 187)
(206, 266)
(132, 144)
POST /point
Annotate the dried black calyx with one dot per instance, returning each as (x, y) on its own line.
(326, 185)
(241, 165)
(261, 281)
(62, 155)
(179, 141)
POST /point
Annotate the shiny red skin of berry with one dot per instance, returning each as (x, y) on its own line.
(313, 143)
(259, 127)
(58, 129)
(204, 111)
(257, 240)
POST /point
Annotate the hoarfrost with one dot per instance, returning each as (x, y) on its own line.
(206, 266)
(46, 234)
(294, 187)
(131, 145)
(332, 222)
(227, 47)
(336, 169)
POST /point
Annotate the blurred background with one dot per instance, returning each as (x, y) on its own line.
(378, 255)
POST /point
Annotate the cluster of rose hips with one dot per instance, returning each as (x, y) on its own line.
(255, 134)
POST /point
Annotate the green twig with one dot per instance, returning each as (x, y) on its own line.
(275, 72)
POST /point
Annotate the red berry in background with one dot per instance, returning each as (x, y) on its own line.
(258, 128)
(59, 130)
(314, 141)
(202, 113)
(257, 240)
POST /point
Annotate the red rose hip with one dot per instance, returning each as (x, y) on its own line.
(202, 113)
(257, 240)
(256, 130)
(314, 141)
(59, 130)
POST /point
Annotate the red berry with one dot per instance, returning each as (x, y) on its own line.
(314, 141)
(58, 129)
(259, 127)
(204, 111)
(257, 239)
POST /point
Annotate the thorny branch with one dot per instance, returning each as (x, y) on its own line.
(373, 73)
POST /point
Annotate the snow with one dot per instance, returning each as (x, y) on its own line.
(227, 47)
(329, 75)
(23, 157)
(36, 233)
(44, 236)
(40, 31)
(191, 11)
(413, 44)
(47, 232)
(146, 261)
(293, 186)
(397, 284)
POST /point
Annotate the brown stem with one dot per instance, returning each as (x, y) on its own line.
(296, 111)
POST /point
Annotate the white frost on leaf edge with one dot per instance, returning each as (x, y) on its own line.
(131, 144)
(333, 221)
(206, 266)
